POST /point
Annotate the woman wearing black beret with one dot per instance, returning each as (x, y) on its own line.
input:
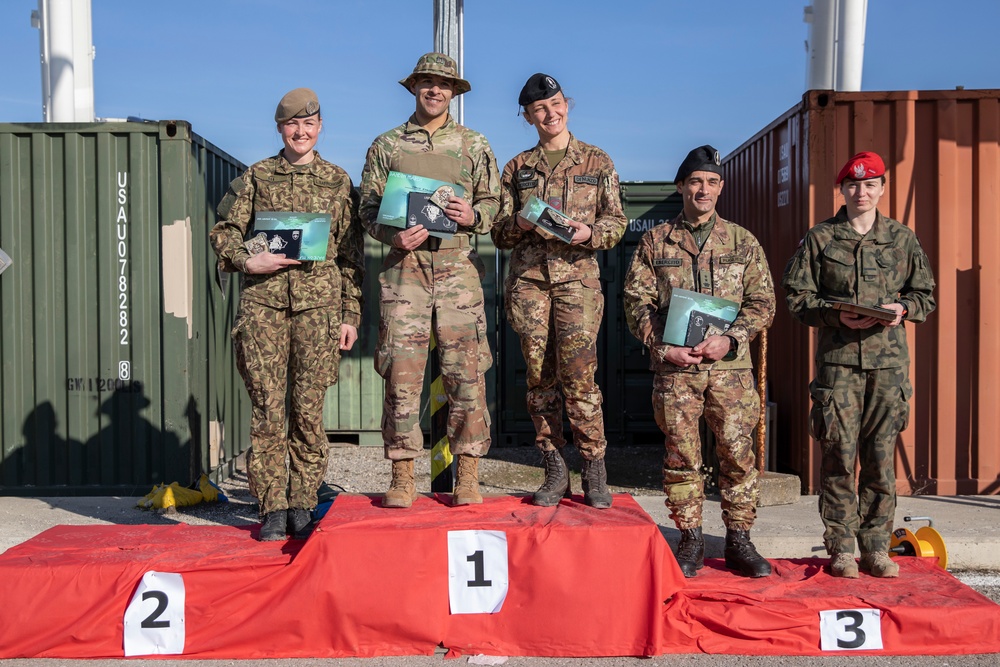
(553, 291)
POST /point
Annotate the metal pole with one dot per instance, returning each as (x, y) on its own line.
(851, 17)
(821, 17)
(449, 39)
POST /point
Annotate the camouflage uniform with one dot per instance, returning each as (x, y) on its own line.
(731, 265)
(287, 332)
(443, 279)
(861, 389)
(553, 290)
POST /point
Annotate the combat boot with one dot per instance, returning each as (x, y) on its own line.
(843, 565)
(467, 484)
(300, 523)
(878, 564)
(691, 551)
(403, 488)
(595, 484)
(741, 555)
(272, 528)
(556, 483)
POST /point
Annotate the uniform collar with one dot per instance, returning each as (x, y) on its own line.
(285, 167)
(412, 126)
(680, 233)
(879, 232)
(537, 160)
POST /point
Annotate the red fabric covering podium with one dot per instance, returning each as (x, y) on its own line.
(925, 611)
(368, 582)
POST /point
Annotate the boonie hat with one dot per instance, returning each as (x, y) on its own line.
(703, 158)
(440, 65)
(299, 103)
(861, 167)
(538, 87)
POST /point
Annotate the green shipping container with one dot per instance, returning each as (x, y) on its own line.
(623, 364)
(116, 367)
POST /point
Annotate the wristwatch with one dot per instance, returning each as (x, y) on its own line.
(905, 310)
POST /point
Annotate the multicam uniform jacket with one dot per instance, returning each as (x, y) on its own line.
(730, 265)
(478, 177)
(835, 263)
(276, 185)
(584, 186)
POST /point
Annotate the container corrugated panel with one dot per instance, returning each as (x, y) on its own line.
(942, 153)
(116, 369)
(623, 366)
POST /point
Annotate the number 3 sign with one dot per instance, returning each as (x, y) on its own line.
(154, 619)
(477, 571)
(850, 629)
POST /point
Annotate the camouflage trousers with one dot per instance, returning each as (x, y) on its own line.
(731, 407)
(286, 357)
(444, 288)
(558, 325)
(856, 416)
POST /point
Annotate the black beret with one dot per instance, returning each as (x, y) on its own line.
(703, 158)
(539, 87)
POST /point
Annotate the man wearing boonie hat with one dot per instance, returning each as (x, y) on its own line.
(425, 277)
(701, 252)
(861, 389)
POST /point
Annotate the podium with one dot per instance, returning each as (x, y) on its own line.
(502, 578)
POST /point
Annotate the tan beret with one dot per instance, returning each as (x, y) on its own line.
(298, 103)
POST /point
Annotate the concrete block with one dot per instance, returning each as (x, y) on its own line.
(778, 489)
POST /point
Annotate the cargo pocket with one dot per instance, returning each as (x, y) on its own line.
(331, 355)
(903, 410)
(663, 411)
(249, 362)
(823, 415)
(383, 351)
(485, 356)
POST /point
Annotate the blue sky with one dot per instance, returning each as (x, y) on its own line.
(651, 79)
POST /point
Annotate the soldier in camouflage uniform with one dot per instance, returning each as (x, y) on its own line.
(294, 317)
(861, 388)
(553, 290)
(701, 252)
(426, 280)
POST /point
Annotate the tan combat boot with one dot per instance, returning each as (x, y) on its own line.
(403, 488)
(843, 565)
(467, 485)
(878, 564)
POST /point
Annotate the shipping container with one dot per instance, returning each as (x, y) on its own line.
(623, 365)
(116, 366)
(942, 154)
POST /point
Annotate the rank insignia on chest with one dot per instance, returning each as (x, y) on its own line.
(668, 261)
(555, 202)
(589, 180)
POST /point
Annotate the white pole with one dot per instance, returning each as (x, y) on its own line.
(449, 39)
(851, 43)
(67, 60)
(821, 17)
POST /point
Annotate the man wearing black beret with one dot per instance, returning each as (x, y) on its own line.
(701, 252)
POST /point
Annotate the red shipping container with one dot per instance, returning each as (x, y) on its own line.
(942, 155)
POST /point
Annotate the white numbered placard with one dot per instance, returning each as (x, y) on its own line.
(477, 571)
(154, 619)
(850, 629)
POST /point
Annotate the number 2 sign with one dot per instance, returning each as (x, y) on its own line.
(154, 618)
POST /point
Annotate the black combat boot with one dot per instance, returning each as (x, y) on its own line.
(556, 483)
(595, 484)
(300, 523)
(272, 528)
(691, 551)
(741, 555)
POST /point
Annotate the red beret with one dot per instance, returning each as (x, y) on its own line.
(861, 167)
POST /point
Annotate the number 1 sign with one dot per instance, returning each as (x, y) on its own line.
(477, 571)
